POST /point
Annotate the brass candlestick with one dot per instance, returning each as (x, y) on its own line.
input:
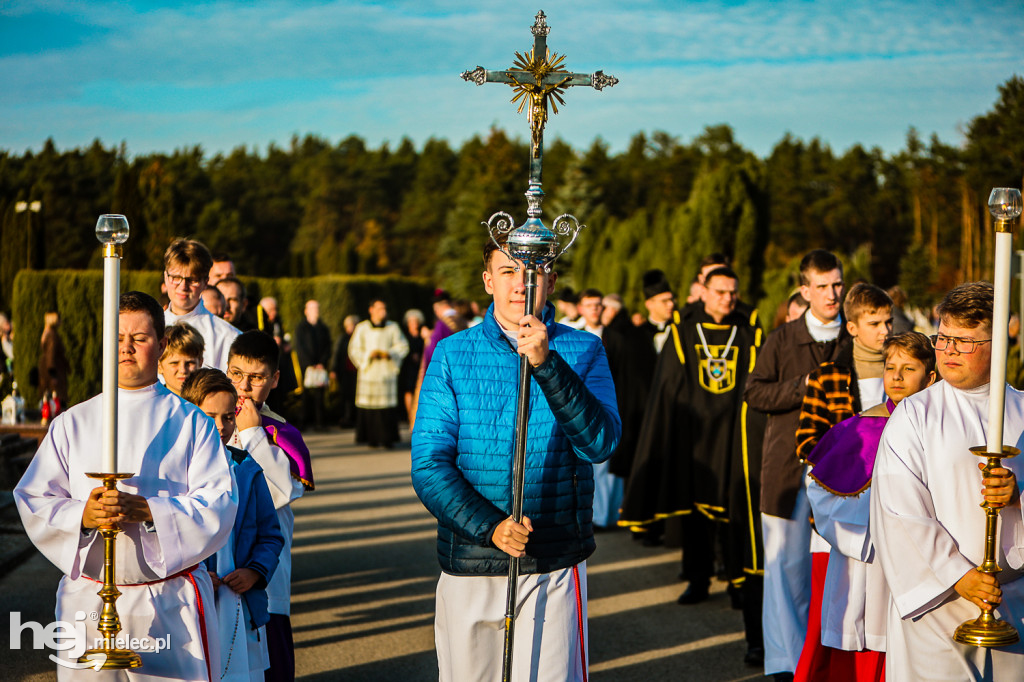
(110, 623)
(987, 630)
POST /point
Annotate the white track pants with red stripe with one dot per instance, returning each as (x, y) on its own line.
(469, 628)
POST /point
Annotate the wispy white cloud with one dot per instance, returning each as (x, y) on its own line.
(226, 73)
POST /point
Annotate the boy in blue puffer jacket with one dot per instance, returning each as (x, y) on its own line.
(462, 447)
(242, 568)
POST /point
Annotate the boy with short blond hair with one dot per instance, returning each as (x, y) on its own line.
(182, 356)
(855, 597)
(279, 449)
(242, 568)
(186, 268)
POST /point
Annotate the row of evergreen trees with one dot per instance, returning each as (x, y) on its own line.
(916, 217)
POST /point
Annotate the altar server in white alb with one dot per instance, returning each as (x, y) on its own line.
(855, 598)
(187, 265)
(926, 522)
(177, 510)
(280, 450)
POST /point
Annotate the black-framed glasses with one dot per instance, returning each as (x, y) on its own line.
(236, 376)
(960, 345)
(190, 282)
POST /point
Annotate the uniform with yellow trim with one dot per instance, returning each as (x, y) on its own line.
(690, 455)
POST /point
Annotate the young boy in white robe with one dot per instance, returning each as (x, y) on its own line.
(187, 266)
(927, 525)
(242, 568)
(855, 597)
(175, 511)
(182, 356)
(279, 449)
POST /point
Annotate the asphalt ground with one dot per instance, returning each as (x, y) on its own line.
(364, 573)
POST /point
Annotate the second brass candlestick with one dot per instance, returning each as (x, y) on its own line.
(987, 630)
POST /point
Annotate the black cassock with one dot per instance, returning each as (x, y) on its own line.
(631, 359)
(693, 454)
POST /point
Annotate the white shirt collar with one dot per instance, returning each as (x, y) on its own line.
(822, 331)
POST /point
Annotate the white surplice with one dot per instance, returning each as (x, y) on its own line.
(181, 467)
(218, 334)
(284, 488)
(377, 379)
(855, 600)
(928, 529)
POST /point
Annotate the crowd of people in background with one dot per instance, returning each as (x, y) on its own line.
(753, 452)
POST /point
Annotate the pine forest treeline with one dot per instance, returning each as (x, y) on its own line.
(916, 218)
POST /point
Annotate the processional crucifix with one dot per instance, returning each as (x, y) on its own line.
(538, 80)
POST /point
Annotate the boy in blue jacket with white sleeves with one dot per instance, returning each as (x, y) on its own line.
(462, 448)
(242, 568)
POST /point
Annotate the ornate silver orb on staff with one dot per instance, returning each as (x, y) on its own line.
(1005, 206)
(539, 80)
(111, 231)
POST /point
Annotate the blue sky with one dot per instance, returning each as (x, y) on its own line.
(164, 75)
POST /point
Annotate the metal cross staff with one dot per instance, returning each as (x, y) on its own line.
(538, 80)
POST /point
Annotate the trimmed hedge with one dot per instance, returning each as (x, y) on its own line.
(77, 297)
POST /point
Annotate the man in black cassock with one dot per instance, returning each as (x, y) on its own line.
(690, 458)
(631, 359)
(660, 302)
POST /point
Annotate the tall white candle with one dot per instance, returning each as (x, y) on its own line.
(111, 230)
(111, 292)
(1000, 340)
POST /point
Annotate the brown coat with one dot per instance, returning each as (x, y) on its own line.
(777, 387)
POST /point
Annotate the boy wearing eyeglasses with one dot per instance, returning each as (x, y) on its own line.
(926, 523)
(187, 265)
(252, 367)
(241, 569)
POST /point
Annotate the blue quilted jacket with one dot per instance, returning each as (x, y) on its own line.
(462, 446)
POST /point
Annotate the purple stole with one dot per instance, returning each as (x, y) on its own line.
(288, 438)
(844, 458)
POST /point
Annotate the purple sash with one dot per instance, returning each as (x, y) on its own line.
(288, 438)
(844, 458)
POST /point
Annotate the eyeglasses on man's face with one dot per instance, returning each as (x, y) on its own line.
(960, 345)
(237, 376)
(175, 280)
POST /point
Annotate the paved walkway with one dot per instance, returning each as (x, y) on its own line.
(364, 572)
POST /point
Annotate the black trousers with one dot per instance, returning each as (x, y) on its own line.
(698, 540)
(281, 649)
